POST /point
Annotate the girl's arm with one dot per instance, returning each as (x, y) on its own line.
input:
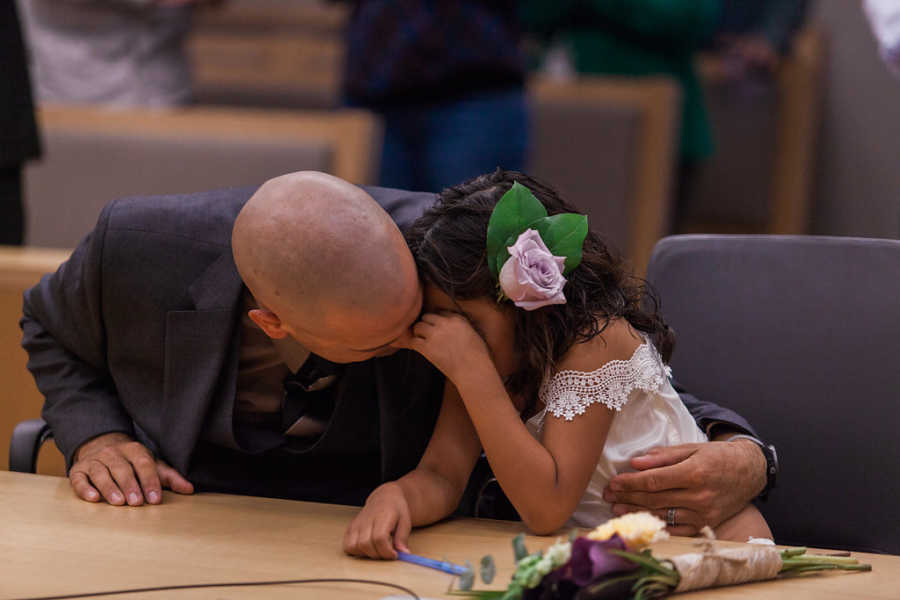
(426, 494)
(544, 480)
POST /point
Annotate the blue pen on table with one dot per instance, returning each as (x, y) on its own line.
(440, 565)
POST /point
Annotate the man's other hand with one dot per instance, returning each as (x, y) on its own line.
(705, 483)
(121, 471)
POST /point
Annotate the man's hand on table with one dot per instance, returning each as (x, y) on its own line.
(705, 483)
(115, 468)
(382, 525)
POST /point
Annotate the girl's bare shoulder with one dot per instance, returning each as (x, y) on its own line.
(617, 342)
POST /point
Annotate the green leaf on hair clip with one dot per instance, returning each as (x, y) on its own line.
(515, 212)
(564, 235)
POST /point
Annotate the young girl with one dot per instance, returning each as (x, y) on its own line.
(577, 357)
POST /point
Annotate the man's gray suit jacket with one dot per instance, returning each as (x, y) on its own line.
(137, 333)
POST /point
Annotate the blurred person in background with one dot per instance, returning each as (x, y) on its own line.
(753, 35)
(18, 131)
(884, 16)
(447, 77)
(110, 52)
(637, 38)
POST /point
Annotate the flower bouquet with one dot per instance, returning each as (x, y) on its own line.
(610, 562)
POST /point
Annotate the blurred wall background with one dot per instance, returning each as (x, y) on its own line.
(858, 181)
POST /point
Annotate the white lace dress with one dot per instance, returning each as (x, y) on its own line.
(648, 413)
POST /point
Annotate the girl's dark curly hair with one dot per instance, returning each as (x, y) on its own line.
(449, 245)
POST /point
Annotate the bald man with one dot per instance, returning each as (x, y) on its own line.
(347, 288)
(237, 341)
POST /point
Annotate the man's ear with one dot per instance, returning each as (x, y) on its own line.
(269, 322)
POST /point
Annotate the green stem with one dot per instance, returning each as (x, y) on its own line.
(819, 560)
(798, 571)
(789, 552)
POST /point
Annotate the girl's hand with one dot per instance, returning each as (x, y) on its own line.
(450, 343)
(382, 525)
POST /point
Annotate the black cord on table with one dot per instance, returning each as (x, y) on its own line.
(411, 593)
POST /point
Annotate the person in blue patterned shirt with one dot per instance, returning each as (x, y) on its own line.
(448, 79)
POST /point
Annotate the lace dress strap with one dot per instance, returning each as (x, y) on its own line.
(569, 393)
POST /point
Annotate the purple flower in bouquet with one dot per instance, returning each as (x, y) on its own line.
(591, 561)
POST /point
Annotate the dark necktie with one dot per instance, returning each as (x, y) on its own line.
(306, 391)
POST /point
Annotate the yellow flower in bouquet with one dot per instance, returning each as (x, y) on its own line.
(637, 530)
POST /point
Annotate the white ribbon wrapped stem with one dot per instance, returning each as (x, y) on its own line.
(726, 567)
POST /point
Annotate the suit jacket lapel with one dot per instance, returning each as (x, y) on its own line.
(199, 344)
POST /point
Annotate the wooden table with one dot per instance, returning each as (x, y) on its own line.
(51, 543)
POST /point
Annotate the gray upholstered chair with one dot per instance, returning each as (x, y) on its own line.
(93, 155)
(25, 445)
(799, 335)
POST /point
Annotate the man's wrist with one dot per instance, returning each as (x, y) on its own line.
(769, 460)
(101, 441)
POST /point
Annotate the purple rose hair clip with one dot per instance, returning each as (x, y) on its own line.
(529, 252)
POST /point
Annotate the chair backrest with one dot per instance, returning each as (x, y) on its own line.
(608, 145)
(799, 335)
(93, 155)
(280, 53)
(21, 268)
(766, 132)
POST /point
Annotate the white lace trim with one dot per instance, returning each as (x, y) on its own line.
(569, 393)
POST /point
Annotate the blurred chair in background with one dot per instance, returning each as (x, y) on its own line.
(637, 39)
(448, 79)
(96, 155)
(799, 334)
(18, 132)
(761, 177)
(110, 52)
(609, 146)
(269, 53)
(21, 268)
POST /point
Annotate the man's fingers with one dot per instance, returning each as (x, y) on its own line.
(82, 486)
(173, 480)
(654, 480)
(653, 500)
(663, 457)
(401, 534)
(100, 477)
(658, 479)
(122, 472)
(145, 467)
(686, 521)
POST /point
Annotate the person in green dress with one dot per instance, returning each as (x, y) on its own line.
(636, 38)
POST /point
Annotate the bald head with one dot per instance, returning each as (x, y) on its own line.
(323, 256)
